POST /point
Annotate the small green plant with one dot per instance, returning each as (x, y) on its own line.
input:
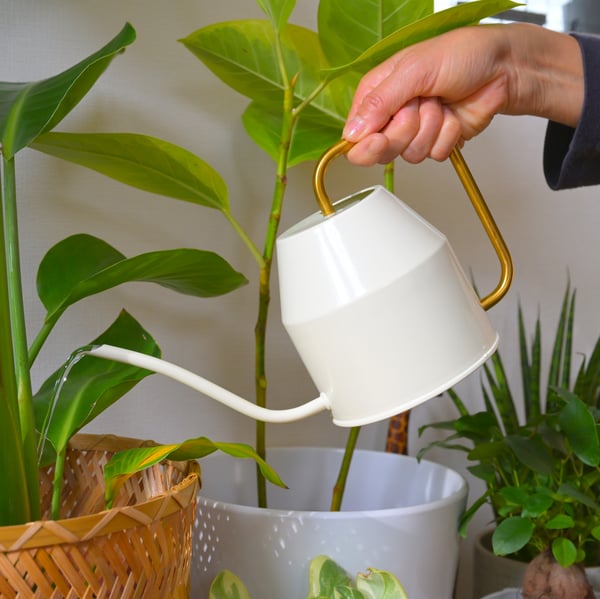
(326, 580)
(540, 465)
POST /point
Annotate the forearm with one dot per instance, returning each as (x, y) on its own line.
(546, 74)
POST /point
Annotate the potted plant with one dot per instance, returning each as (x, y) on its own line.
(326, 580)
(539, 462)
(300, 84)
(40, 522)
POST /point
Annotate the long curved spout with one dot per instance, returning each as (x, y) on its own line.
(198, 383)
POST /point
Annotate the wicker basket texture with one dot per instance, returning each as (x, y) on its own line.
(141, 548)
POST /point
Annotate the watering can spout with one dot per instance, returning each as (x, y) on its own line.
(208, 388)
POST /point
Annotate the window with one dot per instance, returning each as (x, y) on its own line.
(570, 15)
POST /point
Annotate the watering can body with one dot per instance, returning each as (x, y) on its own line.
(378, 307)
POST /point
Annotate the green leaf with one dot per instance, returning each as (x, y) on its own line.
(531, 453)
(560, 522)
(514, 495)
(580, 428)
(536, 505)
(28, 109)
(226, 585)
(564, 552)
(511, 535)
(278, 11)
(324, 574)
(83, 265)
(243, 55)
(347, 29)
(310, 137)
(469, 13)
(89, 385)
(378, 584)
(126, 463)
(568, 490)
(142, 162)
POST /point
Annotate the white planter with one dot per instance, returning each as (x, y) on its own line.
(399, 515)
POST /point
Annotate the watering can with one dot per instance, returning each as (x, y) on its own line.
(376, 304)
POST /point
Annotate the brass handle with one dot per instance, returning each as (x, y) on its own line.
(470, 187)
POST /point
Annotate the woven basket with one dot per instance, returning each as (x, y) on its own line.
(140, 548)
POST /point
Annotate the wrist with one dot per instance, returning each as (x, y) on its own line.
(548, 74)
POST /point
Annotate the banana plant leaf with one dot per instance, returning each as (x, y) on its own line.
(143, 162)
(84, 387)
(28, 109)
(126, 463)
(83, 265)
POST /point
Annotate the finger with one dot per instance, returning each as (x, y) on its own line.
(449, 137)
(401, 131)
(431, 118)
(368, 151)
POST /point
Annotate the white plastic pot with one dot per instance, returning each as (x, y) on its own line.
(398, 515)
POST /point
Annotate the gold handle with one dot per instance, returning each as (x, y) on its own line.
(470, 186)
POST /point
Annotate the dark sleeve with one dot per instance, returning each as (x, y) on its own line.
(572, 156)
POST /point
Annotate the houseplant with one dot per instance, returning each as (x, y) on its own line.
(326, 580)
(540, 469)
(297, 110)
(36, 429)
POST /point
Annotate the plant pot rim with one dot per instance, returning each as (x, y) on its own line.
(458, 494)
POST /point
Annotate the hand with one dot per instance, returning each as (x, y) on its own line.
(432, 96)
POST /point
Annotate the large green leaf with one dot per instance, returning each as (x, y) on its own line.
(28, 109)
(89, 385)
(126, 463)
(462, 15)
(243, 55)
(347, 29)
(143, 162)
(580, 428)
(83, 265)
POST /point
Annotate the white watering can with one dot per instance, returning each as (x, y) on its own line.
(376, 304)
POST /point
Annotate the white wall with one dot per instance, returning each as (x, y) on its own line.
(158, 88)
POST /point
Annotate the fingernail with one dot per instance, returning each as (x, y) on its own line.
(354, 128)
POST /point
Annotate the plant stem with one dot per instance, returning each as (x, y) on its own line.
(59, 468)
(340, 484)
(17, 430)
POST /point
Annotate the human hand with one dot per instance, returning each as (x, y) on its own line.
(432, 96)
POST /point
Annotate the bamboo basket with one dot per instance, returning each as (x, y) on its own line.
(141, 548)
